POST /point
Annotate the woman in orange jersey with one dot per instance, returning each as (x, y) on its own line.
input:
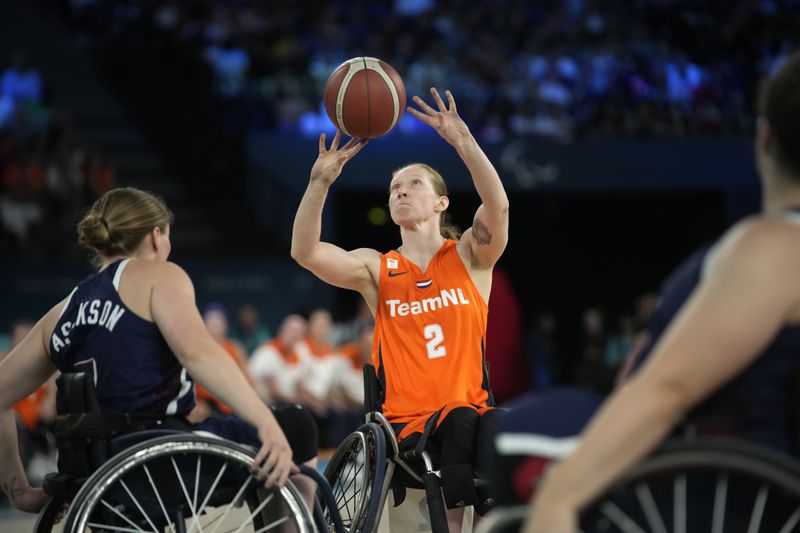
(429, 295)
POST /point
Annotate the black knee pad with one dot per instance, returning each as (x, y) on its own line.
(300, 429)
(458, 486)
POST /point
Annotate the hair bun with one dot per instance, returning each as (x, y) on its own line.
(93, 231)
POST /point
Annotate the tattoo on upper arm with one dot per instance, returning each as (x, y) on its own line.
(480, 232)
(11, 489)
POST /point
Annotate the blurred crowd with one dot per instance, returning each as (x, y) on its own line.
(604, 351)
(48, 169)
(661, 68)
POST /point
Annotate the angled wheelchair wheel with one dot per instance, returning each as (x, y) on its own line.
(184, 483)
(706, 486)
(356, 473)
(46, 520)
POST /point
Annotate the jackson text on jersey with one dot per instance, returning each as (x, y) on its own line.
(91, 312)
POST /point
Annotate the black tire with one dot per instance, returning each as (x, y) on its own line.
(45, 521)
(123, 493)
(358, 465)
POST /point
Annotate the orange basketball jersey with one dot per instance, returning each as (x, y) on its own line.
(429, 337)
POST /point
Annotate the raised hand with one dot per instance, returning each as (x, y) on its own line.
(329, 163)
(445, 121)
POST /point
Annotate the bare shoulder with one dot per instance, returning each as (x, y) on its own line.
(369, 257)
(763, 233)
(160, 271)
(762, 244)
(366, 254)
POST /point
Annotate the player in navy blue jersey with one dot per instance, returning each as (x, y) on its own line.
(134, 326)
(733, 346)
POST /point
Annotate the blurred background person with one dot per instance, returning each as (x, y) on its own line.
(279, 364)
(216, 321)
(250, 331)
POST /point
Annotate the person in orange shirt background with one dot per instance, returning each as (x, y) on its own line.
(216, 321)
(429, 298)
(331, 382)
(348, 393)
(324, 364)
(279, 364)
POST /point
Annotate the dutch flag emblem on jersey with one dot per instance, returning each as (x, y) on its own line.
(424, 284)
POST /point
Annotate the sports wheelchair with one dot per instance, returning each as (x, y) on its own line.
(115, 478)
(363, 469)
(690, 485)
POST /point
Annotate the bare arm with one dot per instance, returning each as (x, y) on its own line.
(175, 313)
(728, 320)
(488, 236)
(23, 371)
(330, 263)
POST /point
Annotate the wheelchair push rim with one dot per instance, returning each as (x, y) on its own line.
(355, 474)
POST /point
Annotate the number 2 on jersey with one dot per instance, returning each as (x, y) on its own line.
(435, 336)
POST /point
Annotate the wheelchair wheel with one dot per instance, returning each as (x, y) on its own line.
(356, 473)
(184, 483)
(703, 486)
(45, 522)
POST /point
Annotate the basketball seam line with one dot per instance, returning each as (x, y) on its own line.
(369, 100)
(392, 90)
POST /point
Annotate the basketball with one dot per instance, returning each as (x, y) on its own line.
(365, 97)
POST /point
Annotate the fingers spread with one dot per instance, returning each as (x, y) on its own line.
(336, 139)
(451, 101)
(356, 148)
(438, 99)
(350, 143)
(423, 117)
(425, 107)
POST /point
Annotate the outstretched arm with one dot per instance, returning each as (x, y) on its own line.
(175, 313)
(488, 235)
(328, 262)
(727, 322)
(23, 370)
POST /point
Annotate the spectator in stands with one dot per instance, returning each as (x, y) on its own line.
(21, 82)
(278, 366)
(250, 331)
(574, 58)
(542, 351)
(591, 372)
(216, 321)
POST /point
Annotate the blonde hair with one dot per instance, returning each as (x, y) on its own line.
(447, 229)
(119, 220)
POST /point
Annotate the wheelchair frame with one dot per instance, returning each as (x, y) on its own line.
(89, 467)
(429, 478)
